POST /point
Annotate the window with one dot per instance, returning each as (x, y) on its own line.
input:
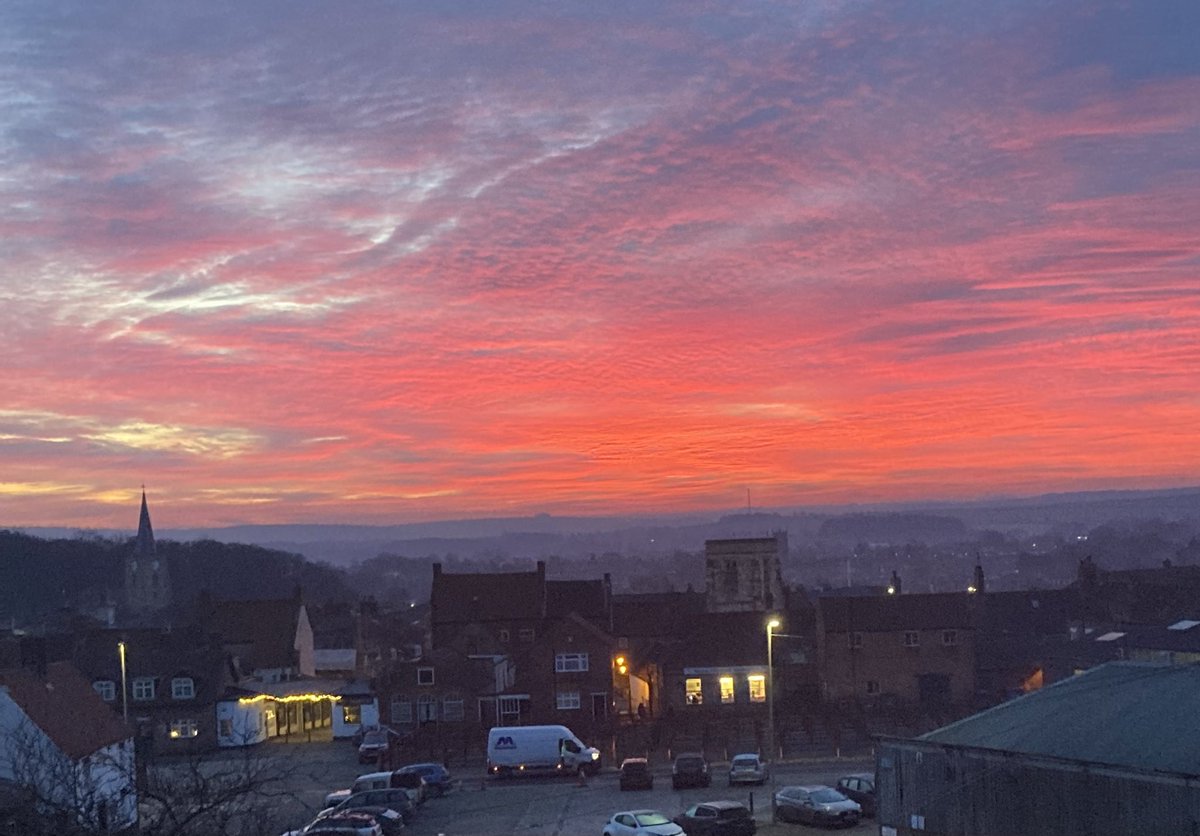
(525, 634)
(505, 635)
(452, 710)
(949, 637)
(143, 688)
(183, 688)
(426, 709)
(352, 714)
(424, 676)
(758, 687)
(872, 687)
(570, 662)
(225, 728)
(726, 683)
(184, 729)
(567, 700)
(401, 711)
(912, 638)
(106, 688)
(693, 692)
(856, 640)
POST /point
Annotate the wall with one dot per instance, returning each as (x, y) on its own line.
(368, 713)
(883, 658)
(241, 724)
(929, 789)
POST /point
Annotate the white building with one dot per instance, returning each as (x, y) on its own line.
(61, 743)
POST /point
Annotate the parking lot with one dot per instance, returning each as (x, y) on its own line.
(480, 806)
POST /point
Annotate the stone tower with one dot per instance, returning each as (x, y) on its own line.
(745, 575)
(147, 584)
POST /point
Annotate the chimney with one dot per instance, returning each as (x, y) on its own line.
(894, 587)
(437, 570)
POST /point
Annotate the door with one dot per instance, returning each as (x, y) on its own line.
(600, 706)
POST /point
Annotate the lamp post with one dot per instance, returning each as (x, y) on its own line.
(772, 625)
(124, 690)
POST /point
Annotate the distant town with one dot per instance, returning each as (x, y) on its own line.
(793, 636)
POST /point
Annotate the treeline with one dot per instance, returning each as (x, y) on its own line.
(39, 577)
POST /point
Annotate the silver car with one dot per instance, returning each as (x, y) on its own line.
(747, 769)
(816, 805)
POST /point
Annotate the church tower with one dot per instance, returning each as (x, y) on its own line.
(147, 584)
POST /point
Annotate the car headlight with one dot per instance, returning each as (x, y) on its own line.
(595, 756)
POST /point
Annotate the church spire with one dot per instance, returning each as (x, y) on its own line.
(144, 545)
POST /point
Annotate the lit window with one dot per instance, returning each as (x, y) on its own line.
(570, 662)
(426, 709)
(567, 700)
(726, 683)
(352, 714)
(424, 676)
(856, 641)
(912, 638)
(693, 692)
(401, 711)
(143, 688)
(758, 687)
(184, 729)
(949, 637)
(106, 688)
(183, 688)
(872, 687)
(525, 634)
(452, 711)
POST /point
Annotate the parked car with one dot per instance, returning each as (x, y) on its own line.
(437, 777)
(641, 823)
(747, 769)
(390, 822)
(717, 818)
(374, 743)
(411, 781)
(816, 805)
(690, 770)
(636, 775)
(859, 787)
(395, 799)
(344, 824)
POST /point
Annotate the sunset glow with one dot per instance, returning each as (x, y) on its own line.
(389, 262)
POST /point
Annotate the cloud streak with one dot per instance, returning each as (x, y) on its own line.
(406, 262)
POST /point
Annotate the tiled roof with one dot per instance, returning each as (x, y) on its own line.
(735, 638)
(66, 708)
(163, 654)
(268, 627)
(891, 613)
(487, 596)
(587, 598)
(656, 614)
(1129, 714)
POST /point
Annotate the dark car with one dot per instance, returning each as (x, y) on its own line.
(690, 770)
(374, 743)
(859, 787)
(635, 774)
(437, 777)
(394, 799)
(345, 824)
(816, 805)
(717, 818)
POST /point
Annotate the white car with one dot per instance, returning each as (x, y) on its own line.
(642, 823)
(747, 769)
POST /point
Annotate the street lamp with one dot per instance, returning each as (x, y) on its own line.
(124, 690)
(772, 625)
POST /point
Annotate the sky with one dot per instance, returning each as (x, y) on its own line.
(381, 262)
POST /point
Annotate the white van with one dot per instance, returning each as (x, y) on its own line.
(516, 750)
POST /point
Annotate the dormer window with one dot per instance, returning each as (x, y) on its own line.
(183, 688)
(106, 688)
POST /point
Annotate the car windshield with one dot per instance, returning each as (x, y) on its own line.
(651, 819)
(734, 813)
(827, 796)
(746, 761)
(634, 767)
(374, 737)
(690, 763)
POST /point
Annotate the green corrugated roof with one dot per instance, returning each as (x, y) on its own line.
(1124, 713)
